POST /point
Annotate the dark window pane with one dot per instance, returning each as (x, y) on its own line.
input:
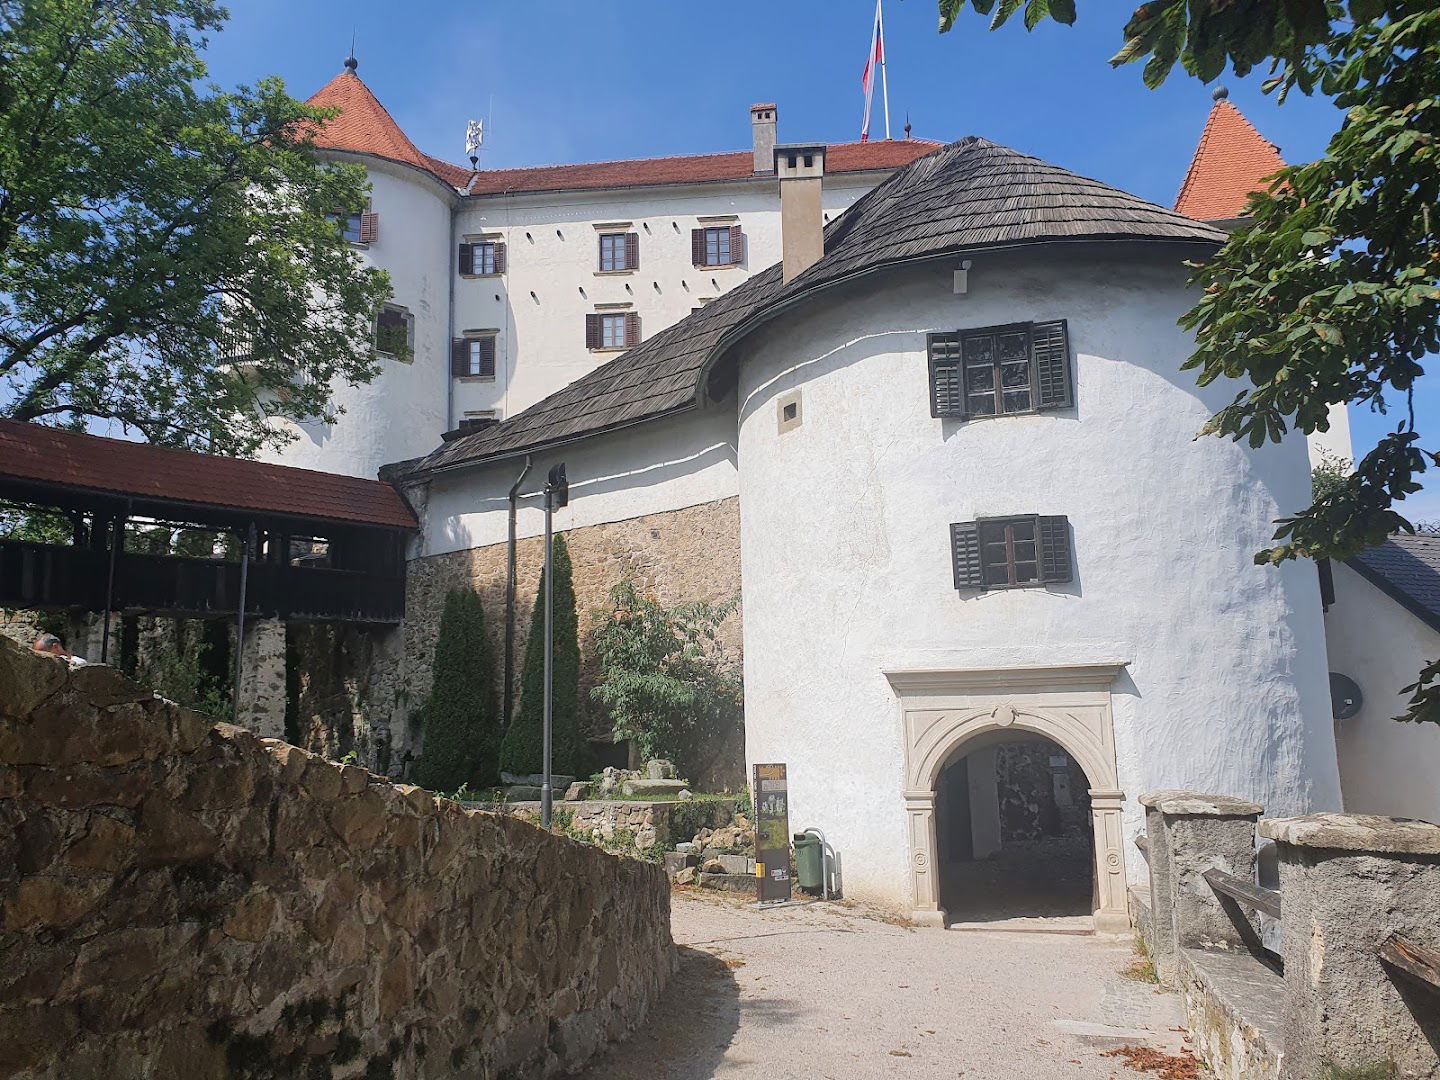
(1017, 401)
(978, 379)
(1012, 347)
(982, 405)
(1024, 572)
(980, 350)
(1014, 376)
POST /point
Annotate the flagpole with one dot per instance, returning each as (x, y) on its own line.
(884, 82)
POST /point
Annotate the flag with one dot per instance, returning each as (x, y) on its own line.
(872, 63)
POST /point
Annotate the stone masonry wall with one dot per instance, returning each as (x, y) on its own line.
(182, 898)
(678, 556)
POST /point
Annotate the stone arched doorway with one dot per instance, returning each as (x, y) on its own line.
(941, 711)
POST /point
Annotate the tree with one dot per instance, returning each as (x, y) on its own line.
(459, 719)
(1331, 292)
(663, 679)
(153, 231)
(523, 749)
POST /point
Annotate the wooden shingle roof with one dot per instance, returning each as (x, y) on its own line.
(968, 196)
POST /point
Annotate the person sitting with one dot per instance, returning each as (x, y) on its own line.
(53, 646)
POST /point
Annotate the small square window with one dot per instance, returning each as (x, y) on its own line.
(612, 331)
(718, 247)
(788, 413)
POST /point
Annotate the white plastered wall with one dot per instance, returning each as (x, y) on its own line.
(1386, 767)
(847, 570)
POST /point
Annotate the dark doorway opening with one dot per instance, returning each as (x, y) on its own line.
(1014, 835)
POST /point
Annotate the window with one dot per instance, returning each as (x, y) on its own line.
(473, 357)
(395, 332)
(619, 251)
(995, 370)
(722, 245)
(358, 228)
(1010, 553)
(482, 258)
(612, 330)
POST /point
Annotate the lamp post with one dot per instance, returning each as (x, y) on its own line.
(557, 494)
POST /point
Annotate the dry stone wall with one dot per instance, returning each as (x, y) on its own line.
(679, 556)
(182, 898)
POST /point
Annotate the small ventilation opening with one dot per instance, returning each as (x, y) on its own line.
(790, 411)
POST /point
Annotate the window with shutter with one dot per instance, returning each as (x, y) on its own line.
(467, 258)
(697, 246)
(619, 251)
(632, 251)
(999, 370)
(499, 257)
(611, 330)
(482, 259)
(722, 245)
(632, 329)
(369, 228)
(473, 357)
(965, 552)
(1011, 553)
(592, 331)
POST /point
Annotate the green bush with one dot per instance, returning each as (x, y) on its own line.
(523, 748)
(459, 719)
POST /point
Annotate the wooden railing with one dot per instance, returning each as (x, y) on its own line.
(1245, 892)
(1417, 961)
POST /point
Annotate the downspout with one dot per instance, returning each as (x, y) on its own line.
(507, 698)
(450, 274)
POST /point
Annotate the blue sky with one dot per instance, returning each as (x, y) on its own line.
(607, 79)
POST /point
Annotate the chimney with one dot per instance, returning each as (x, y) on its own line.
(800, 168)
(762, 125)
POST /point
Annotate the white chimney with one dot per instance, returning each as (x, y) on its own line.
(762, 125)
(800, 168)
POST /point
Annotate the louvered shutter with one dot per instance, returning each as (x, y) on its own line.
(632, 251)
(965, 553)
(369, 228)
(697, 246)
(1054, 536)
(459, 357)
(592, 331)
(947, 377)
(487, 357)
(737, 246)
(499, 257)
(632, 329)
(1050, 365)
(467, 258)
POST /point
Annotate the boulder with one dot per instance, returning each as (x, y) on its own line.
(713, 866)
(675, 861)
(659, 769)
(652, 787)
(684, 795)
(685, 876)
(575, 792)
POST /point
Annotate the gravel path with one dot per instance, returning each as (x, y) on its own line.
(824, 992)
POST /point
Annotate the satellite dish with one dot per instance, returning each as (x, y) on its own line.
(1345, 696)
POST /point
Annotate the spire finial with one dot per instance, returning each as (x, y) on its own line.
(350, 62)
(907, 125)
(1219, 94)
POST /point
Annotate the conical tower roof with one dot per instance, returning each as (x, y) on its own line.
(1231, 161)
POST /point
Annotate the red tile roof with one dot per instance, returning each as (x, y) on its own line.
(363, 126)
(1231, 161)
(35, 454)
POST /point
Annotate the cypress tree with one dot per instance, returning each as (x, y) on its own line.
(459, 719)
(523, 749)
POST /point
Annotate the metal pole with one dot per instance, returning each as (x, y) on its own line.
(245, 541)
(884, 80)
(117, 541)
(545, 793)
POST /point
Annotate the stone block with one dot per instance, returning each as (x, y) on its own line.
(736, 883)
(27, 678)
(168, 834)
(522, 793)
(575, 792)
(737, 864)
(659, 769)
(686, 875)
(652, 787)
(675, 861)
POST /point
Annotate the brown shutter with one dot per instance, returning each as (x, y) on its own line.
(467, 258)
(632, 251)
(947, 387)
(965, 555)
(697, 246)
(499, 257)
(592, 331)
(487, 357)
(1050, 365)
(600, 252)
(737, 245)
(1053, 534)
(369, 228)
(632, 329)
(459, 357)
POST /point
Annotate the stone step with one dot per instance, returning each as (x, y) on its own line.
(736, 883)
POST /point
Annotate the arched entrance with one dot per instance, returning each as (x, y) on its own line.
(943, 712)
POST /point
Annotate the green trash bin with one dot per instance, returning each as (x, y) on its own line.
(809, 862)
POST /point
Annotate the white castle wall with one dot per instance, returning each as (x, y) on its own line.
(847, 570)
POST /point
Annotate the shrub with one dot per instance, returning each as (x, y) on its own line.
(459, 718)
(523, 749)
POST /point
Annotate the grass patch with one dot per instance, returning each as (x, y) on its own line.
(1142, 968)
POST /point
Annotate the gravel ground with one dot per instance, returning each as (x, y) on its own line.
(822, 991)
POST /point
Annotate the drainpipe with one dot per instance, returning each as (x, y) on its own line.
(507, 698)
(451, 272)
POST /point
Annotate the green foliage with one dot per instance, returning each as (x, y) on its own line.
(688, 818)
(523, 748)
(459, 719)
(35, 524)
(154, 228)
(664, 680)
(1331, 292)
(1330, 475)
(175, 668)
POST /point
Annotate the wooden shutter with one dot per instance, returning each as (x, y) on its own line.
(947, 376)
(459, 357)
(467, 258)
(499, 257)
(737, 246)
(697, 246)
(1050, 366)
(965, 553)
(592, 331)
(369, 228)
(487, 357)
(1053, 536)
(632, 251)
(632, 329)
